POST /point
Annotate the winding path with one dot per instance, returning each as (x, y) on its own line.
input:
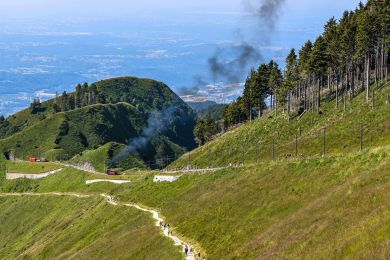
(34, 176)
(112, 201)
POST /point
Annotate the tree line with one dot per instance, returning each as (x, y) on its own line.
(84, 95)
(350, 55)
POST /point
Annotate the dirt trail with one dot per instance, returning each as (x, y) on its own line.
(159, 223)
(112, 201)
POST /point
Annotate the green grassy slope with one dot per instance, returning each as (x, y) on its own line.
(121, 109)
(77, 132)
(252, 142)
(30, 167)
(318, 208)
(93, 126)
(35, 140)
(50, 227)
(331, 207)
(66, 134)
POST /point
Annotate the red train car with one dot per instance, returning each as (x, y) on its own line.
(33, 159)
(112, 172)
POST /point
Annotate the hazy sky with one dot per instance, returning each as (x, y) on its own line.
(112, 8)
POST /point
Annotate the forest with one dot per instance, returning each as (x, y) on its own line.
(350, 55)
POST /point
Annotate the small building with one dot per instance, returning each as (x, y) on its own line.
(162, 178)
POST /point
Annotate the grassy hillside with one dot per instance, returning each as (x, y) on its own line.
(331, 207)
(115, 110)
(29, 167)
(50, 227)
(318, 208)
(35, 140)
(92, 126)
(252, 142)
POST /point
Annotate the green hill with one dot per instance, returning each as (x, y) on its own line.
(122, 110)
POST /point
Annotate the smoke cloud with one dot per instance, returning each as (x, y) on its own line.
(158, 122)
(266, 11)
(233, 70)
(245, 54)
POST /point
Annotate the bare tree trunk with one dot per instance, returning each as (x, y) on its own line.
(382, 59)
(318, 95)
(260, 108)
(288, 105)
(337, 92)
(353, 79)
(312, 94)
(386, 65)
(367, 77)
(344, 101)
(305, 96)
(276, 104)
(377, 65)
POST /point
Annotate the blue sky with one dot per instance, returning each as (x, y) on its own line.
(49, 46)
(112, 8)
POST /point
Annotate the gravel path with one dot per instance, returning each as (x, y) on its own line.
(107, 180)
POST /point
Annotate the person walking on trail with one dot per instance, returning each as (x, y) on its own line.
(186, 250)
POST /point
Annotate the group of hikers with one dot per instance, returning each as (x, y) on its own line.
(187, 249)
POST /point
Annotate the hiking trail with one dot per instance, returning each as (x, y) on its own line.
(166, 232)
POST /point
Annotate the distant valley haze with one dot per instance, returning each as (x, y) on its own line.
(50, 46)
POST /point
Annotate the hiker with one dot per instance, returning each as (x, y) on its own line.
(186, 250)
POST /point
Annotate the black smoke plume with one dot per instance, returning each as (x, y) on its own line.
(233, 70)
(267, 11)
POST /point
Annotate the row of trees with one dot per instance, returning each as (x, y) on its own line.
(84, 95)
(346, 59)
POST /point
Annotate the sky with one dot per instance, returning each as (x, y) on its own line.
(48, 46)
(116, 8)
(105, 8)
